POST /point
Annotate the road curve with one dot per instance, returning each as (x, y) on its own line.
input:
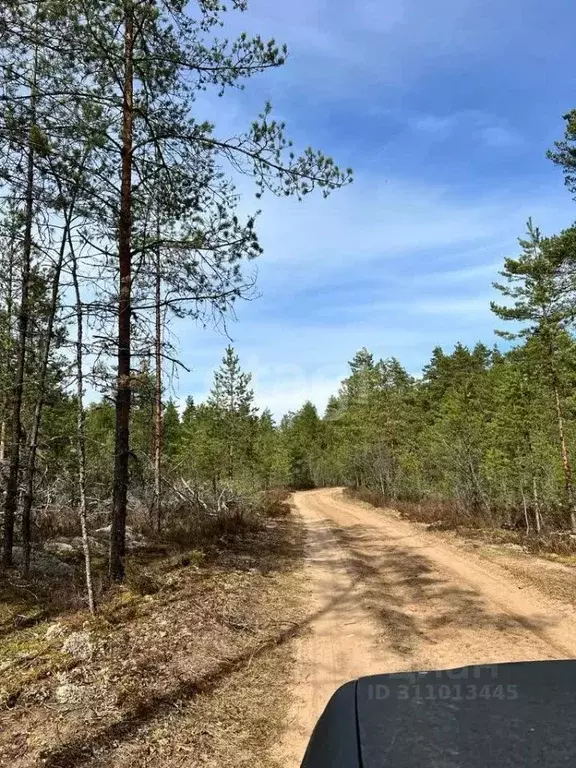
(384, 595)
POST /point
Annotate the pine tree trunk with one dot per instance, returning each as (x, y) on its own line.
(7, 367)
(123, 393)
(3, 431)
(525, 508)
(28, 493)
(537, 516)
(81, 439)
(536, 503)
(566, 466)
(158, 431)
(11, 499)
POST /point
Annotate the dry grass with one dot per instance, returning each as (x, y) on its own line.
(434, 513)
(186, 664)
(446, 516)
(275, 503)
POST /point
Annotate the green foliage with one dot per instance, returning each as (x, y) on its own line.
(225, 443)
(478, 431)
(111, 171)
(303, 435)
(564, 154)
(172, 431)
(485, 435)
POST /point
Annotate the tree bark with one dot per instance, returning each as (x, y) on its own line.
(81, 438)
(123, 388)
(7, 365)
(537, 516)
(525, 508)
(158, 426)
(2, 445)
(28, 493)
(11, 499)
(566, 466)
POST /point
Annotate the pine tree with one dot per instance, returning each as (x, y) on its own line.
(146, 61)
(232, 399)
(30, 76)
(304, 435)
(35, 120)
(542, 305)
(172, 430)
(270, 460)
(564, 153)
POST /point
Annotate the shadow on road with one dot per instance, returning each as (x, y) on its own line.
(400, 588)
(410, 599)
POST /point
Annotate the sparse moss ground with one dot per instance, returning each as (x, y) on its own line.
(190, 658)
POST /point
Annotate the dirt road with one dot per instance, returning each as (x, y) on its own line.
(385, 596)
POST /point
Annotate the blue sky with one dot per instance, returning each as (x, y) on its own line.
(445, 111)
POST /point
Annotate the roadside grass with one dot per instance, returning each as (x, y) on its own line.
(556, 545)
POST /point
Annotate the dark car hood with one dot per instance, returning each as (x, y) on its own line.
(519, 714)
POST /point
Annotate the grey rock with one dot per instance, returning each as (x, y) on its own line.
(55, 631)
(133, 540)
(59, 548)
(42, 562)
(79, 645)
(67, 693)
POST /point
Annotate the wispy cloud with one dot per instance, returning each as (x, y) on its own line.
(396, 267)
(468, 307)
(501, 137)
(482, 127)
(287, 393)
(372, 222)
(433, 124)
(476, 273)
(434, 111)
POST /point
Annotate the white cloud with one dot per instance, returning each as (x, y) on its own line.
(369, 223)
(393, 262)
(484, 273)
(417, 309)
(368, 220)
(390, 42)
(500, 137)
(293, 360)
(467, 307)
(434, 124)
(278, 385)
(290, 394)
(483, 127)
(397, 267)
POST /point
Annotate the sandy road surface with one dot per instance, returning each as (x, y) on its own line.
(386, 596)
